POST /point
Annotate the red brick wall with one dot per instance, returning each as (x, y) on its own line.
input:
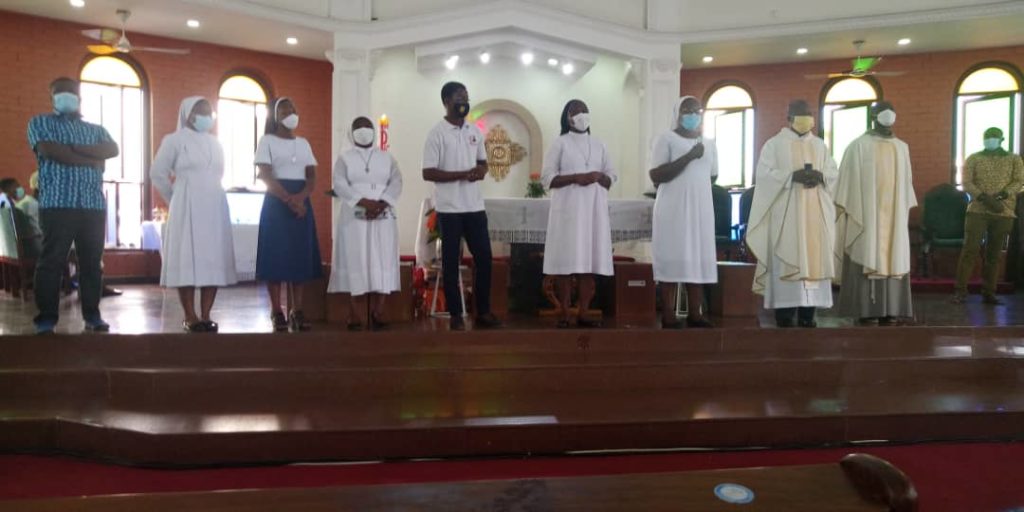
(37, 50)
(923, 98)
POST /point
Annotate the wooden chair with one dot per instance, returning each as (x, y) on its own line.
(16, 269)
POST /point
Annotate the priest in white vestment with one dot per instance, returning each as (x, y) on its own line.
(364, 262)
(873, 200)
(792, 221)
(197, 248)
(579, 173)
(683, 164)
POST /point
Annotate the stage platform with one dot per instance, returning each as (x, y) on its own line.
(148, 309)
(184, 400)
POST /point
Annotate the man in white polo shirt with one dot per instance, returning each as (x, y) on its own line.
(454, 159)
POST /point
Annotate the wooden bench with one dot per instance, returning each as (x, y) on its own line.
(857, 483)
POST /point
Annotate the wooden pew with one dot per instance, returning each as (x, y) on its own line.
(857, 483)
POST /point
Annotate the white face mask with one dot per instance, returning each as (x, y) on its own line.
(886, 118)
(363, 136)
(581, 121)
(291, 121)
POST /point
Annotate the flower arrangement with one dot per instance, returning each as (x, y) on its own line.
(433, 232)
(535, 189)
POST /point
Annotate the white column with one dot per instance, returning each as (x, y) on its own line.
(660, 79)
(350, 97)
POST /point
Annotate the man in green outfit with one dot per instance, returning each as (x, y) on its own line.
(992, 177)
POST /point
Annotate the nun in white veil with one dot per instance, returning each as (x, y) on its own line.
(197, 248)
(682, 166)
(368, 183)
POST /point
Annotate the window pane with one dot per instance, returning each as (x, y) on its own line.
(129, 211)
(238, 126)
(729, 132)
(989, 80)
(243, 88)
(132, 138)
(977, 115)
(748, 156)
(729, 97)
(845, 125)
(110, 70)
(110, 192)
(850, 90)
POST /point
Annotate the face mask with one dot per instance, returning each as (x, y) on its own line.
(291, 121)
(993, 144)
(803, 124)
(581, 121)
(363, 136)
(887, 118)
(461, 108)
(19, 192)
(65, 102)
(202, 124)
(690, 121)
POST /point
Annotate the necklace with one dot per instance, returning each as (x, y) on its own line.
(295, 150)
(586, 156)
(367, 160)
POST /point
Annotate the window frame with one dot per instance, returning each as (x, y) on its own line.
(1016, 140)
(147, 145)
(753, 129)
(268, 91)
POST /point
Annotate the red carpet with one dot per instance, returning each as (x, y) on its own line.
(953, 478)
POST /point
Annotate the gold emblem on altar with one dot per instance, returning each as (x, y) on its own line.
(502, 153)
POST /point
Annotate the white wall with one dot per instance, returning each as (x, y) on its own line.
(413, 103)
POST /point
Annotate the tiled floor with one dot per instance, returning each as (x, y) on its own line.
(244, 309)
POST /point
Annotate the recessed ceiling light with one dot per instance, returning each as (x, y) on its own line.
(568, 68)
(192, 23)
(292, 41)
(485, 57)
(78, 3)
(552, 62)
(801, 51)
(903, 42)
(708, 58)
(451, 62)
(527, 58)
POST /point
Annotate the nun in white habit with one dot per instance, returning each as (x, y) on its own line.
(683, 238)
(368, 183)
(197, 249)
(579, 173)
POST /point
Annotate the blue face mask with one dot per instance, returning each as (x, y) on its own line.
(993, 144)
(65, 102)
(19, 192)
(202, 124)
(690, 121)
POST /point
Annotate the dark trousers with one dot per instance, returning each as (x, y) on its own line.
(61, 226)
(993, 230)
(472, 227)
(794, 315)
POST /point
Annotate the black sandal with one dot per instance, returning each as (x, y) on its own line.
(376, 324)
(584, 323)
(193, 327)
(563, 324)
(280, 321)
(672, 325)
(210, 325)
(355, 326)
(699, 323)
(297, 322)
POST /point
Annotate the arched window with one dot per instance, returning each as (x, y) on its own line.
(989, 96)
(113, 95)
(241, 114)
(846, 112)
(729, 120)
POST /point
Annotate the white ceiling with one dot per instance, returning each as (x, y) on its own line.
(735, 32)
(1006, 30)
(167, 18)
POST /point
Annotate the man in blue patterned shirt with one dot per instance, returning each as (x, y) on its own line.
(72, 208)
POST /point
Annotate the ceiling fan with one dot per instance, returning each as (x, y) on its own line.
(859, 67)
(117, 42)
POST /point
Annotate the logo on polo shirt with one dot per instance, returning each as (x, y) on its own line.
(473, 139)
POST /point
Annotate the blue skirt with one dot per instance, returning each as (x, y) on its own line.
(288, 249)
